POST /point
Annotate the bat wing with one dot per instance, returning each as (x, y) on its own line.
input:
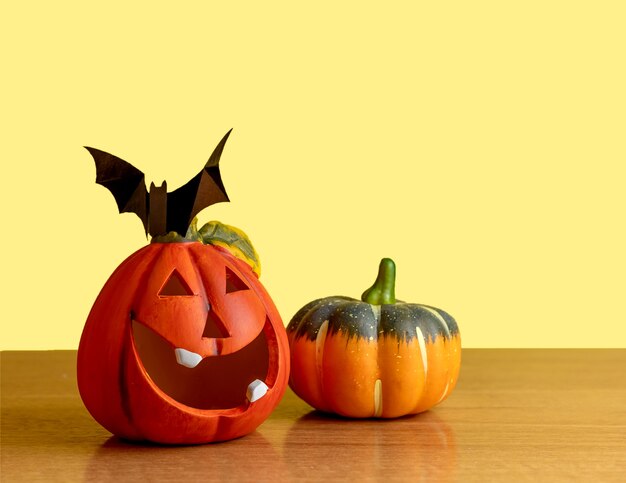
(124, 181)
(204, 189)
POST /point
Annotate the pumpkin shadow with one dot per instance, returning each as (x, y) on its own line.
(421, 446)
(121, 460)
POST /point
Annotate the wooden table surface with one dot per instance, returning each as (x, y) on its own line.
(542, 415)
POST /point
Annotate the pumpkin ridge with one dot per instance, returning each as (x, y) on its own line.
(302, 323)
(453, 327)
(301, 314)
(122, 386)
(319, 359)
(155, 254)
(440, 320)
(402, 319)
(359, 314)
(447, 378)
(196, 268)
(122, 382)
(379, 405)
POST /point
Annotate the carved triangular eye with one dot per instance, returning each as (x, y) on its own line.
(233, 282)
(175, 285)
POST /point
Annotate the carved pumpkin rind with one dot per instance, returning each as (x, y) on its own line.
(361, 360)
(113, 382)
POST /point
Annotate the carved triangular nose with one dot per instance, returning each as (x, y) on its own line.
(214, 327)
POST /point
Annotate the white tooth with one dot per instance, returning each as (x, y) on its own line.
(256, 390)
(187, 358)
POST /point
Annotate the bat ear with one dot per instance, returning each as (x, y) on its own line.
(214, 160)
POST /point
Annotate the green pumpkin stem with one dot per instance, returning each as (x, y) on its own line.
(384, 289)
(174, 237)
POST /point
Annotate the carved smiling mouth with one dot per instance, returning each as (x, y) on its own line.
(216, 382)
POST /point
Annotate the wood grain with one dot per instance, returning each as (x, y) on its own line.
(516, 415)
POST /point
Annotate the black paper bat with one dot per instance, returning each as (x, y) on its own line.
(160, 211)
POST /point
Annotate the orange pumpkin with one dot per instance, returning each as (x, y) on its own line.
(183, 344)
(165, 302)
(377, 357)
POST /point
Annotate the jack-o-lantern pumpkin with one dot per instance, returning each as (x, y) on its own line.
(183, 344)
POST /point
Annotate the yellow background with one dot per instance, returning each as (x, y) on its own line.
(479, 144)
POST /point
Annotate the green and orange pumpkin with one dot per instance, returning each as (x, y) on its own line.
(375, 357)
